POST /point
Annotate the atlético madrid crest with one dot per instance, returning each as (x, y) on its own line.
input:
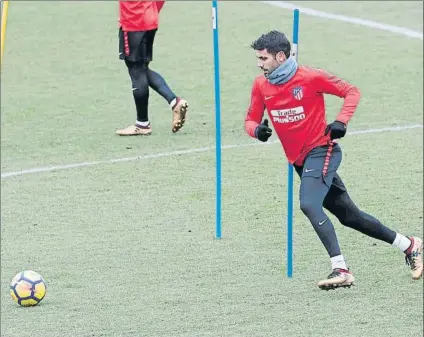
(297, 93)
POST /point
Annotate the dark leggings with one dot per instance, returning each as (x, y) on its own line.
(142, 77)
(321, 187)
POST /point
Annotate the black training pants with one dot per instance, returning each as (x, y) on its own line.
(321, 187)
(136, 48)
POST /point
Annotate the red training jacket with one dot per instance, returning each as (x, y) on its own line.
(297, 109)
(139, 15)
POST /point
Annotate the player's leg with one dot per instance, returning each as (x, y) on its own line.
(178, 105)
(316, 175)
(339, 203)
(132, 52)
(156, 81)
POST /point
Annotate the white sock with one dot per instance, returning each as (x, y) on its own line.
(338, 262)
(142, 123)
(401, 242)
(173, 102)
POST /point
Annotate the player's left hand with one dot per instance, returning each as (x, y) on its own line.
(337, 130)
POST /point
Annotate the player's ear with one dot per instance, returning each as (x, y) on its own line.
(280, 57)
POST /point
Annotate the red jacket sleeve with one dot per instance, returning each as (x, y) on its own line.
(255, 111)
(330, 84)
(159, 5)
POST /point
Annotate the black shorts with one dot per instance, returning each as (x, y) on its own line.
(322, 163)
(136, 46)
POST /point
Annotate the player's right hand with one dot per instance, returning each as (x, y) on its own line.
(262, 131)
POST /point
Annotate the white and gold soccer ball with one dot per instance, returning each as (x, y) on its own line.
(28, 288)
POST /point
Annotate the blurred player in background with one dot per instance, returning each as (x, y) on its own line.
(294, 99)
(139, 21)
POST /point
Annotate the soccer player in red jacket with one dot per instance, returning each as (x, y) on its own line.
(139, 21)
(293, 97)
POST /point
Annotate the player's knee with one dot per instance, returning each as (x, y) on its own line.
(351, 219)
(140, 86)
(310, 207)
(137, 70)
(349, 215)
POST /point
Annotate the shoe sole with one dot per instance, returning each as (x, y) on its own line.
(135, 134)
(182, 113)
(335, 286)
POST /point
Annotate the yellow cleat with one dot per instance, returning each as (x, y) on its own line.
(180, 110)
(135, 130)
(414, 258)
(338, 278)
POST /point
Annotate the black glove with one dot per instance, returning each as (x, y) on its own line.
(337, 130)
(262, 131)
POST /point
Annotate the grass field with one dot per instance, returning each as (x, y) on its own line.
(127, 248)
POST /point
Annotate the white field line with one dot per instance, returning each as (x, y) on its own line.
(356, 21)
(177, 153)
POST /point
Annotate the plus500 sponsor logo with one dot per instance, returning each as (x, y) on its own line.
(288, 115)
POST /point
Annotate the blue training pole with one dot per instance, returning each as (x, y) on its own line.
(217, 117)
(290, 167)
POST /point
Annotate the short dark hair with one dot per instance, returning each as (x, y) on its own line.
(274, 42)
